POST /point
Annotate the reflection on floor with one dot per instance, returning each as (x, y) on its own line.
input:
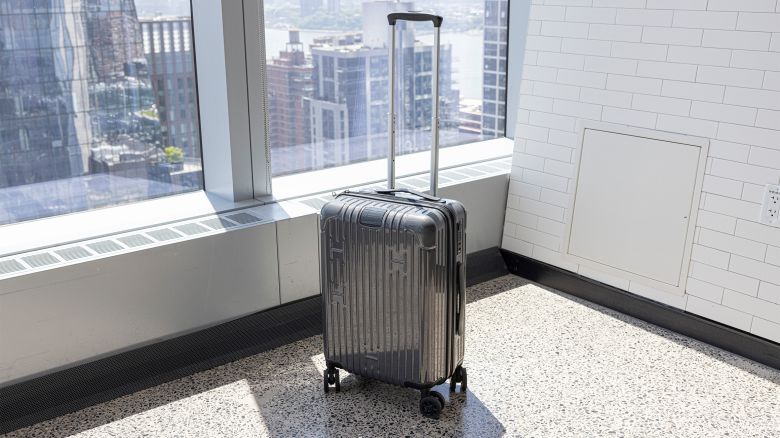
(540, 363)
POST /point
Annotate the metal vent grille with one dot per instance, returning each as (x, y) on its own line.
(42, 259)
(454, 176)
(104, 246)
(243, 218)
(113, 245)
(470, 172)
(164, 234)
(503, 165)
(489, 168)
(135, 240)
(218, 223)
(191, 229)
(416, 182)
(9, 266)
(73, 253)
(426, 181)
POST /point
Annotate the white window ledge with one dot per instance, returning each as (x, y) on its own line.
(43, 233)
(369, 172)
(59, 230)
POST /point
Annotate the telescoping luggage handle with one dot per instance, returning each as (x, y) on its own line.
(437, 20)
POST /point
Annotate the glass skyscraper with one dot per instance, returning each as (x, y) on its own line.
(45, 120)
(167, 43)
(78, 121)
(494, 68)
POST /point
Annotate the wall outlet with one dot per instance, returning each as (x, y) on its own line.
(770, 210)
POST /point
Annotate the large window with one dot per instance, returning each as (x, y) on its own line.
(327, 78)
(98, 105)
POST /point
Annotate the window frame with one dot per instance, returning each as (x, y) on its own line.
(513, 75)
(518, 13)
(222, 72)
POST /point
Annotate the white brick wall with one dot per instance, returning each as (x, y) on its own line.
(702, 67)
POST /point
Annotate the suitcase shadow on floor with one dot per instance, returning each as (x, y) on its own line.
(493, 287)
(298, 405)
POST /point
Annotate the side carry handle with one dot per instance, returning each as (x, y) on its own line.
(414, 16)
(460, 279)
(411, 192)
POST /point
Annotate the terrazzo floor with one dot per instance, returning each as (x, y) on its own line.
(541, 363)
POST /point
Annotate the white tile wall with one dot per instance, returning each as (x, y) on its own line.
(702, 67)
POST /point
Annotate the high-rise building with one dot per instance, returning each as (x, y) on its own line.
(310, 7)
(78, 119)
(470, 116)
(349, 110)
(334, 7)
(290, 88)
(63, 86)
(494, 68)
(115, 38)
(350, 104)
(167, 43)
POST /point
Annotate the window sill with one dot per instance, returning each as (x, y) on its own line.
(44, 233)
(370, 172)
(59, 230)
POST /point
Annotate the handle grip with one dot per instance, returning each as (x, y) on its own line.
(411, 192)
(461, 285)
(414, 16)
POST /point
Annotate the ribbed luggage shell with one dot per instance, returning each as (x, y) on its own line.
(393, 287)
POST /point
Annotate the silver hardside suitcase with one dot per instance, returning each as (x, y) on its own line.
(393, 275)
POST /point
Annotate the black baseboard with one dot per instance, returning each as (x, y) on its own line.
(75, 388)
(714, 333)
(85, 385)
(484, 265)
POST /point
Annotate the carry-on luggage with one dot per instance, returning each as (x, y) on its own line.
(393, 266)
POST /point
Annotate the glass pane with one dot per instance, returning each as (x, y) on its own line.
(97, 105)
(328, 69)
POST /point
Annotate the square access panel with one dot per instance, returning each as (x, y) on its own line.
(633, 210)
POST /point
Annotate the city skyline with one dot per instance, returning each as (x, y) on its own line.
(348, 97)
(108, 87)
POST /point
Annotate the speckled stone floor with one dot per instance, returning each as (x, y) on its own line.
(541, 363)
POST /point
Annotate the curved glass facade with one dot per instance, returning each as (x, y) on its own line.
(82, 119)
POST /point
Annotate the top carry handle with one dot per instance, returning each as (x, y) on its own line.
(437, 20)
